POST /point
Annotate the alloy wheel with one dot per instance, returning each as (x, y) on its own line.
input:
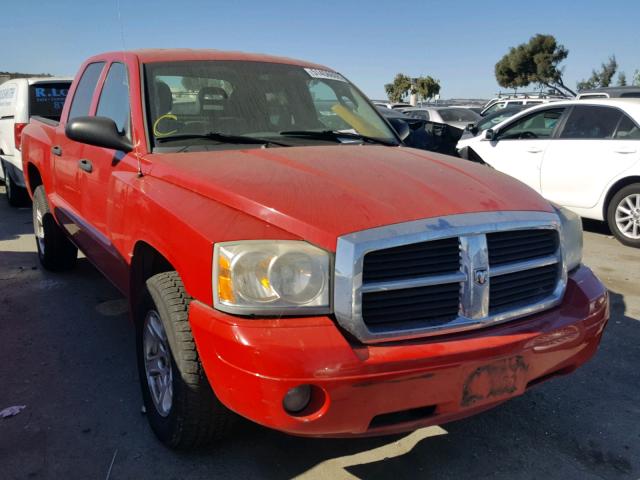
(628, 216)
(38, 228)
(157, 363)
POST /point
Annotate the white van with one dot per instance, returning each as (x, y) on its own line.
(21, 99)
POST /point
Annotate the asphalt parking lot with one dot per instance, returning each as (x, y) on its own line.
(67, 353)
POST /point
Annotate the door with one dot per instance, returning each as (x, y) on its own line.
(65, 153)
(519, 147)
(596, 144)
(98, 169)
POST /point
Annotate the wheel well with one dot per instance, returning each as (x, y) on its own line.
(35, 180)
(615, 188)
(146, 262)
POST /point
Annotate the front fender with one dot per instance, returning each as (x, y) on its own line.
(183, 226)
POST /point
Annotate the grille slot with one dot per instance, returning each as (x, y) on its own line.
(430, 306)
(413, 260)
(520, 245)
(528, 286)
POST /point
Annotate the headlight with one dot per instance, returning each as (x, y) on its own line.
(570, 237)
(271, 277)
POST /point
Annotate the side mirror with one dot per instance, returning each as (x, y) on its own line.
(472, 128)
(490, 135)
(401, 127)
(97, 131)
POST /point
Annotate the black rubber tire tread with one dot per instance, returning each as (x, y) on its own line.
(16, 195)
(611, 214)
(197, 417)
(59, 252)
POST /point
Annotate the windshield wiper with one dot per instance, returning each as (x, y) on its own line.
(336, 135)
(223, 138)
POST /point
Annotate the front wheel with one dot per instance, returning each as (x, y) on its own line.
(623, 215)
(55, 250)
(182, 409)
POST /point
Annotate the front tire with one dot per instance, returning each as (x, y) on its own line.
(182, 409)
(55, 250)
(623, 215)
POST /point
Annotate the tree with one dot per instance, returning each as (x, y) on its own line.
(636, 79)
(397, 90)
(426, 87)
(622, 79)
(536, 61)
(601, 78)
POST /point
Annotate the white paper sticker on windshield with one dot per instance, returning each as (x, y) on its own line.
(329, 75)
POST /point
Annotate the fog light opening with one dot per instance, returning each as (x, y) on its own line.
(297, 399)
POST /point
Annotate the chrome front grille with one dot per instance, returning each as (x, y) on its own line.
(447, 274)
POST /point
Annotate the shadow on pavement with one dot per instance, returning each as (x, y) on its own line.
(595, 226)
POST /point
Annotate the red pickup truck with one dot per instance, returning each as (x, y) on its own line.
(288, 259)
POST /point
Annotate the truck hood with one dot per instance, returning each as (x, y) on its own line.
(320, 193)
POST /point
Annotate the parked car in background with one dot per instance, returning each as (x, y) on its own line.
(526, 99)
(321, 282)
(475, 109)
(457, 117)
(609, 92)
(581, 154)
(20, 100)
(487, 122)
(391, 105)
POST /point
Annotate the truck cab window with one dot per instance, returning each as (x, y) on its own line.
(114, 99)
(84, 92)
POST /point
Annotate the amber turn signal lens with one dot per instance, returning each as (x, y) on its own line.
(225, 286)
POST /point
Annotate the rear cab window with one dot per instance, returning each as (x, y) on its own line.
(47, 99)
(83, 95)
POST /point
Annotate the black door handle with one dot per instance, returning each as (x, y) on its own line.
(85, 165)
(57, 151)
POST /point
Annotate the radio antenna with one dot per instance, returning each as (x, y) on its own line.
(124, 48)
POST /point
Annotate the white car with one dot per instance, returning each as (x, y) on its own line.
(21, 99)
(458, 117)
(581, 154)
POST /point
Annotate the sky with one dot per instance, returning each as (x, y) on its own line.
(457, 42)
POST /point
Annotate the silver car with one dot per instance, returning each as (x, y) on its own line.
(458, 117)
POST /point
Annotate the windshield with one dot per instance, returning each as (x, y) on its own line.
(495, 118)
(189, 99)
(458, 115)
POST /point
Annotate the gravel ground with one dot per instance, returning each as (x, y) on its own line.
(67, 353)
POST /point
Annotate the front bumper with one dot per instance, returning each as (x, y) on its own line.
(361, 390)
